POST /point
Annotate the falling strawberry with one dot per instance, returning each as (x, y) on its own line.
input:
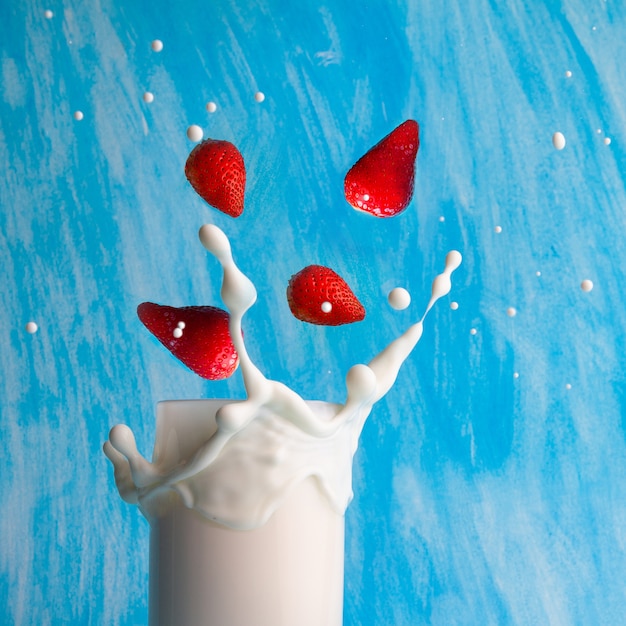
(216, 171)
(318, 295)
(196, 335)
(381, 181)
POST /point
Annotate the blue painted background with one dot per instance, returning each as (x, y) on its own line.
(490, 481)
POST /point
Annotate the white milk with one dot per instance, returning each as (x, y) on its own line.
(246, 498)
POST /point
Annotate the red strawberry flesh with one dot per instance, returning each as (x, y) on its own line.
(196, 335)
(381, 182)
(318, 295)
(216, 170)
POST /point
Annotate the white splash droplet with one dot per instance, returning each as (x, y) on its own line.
(31, 328)
(259, 96)
(123, 440)
(48, 14)
(148, 97)
(453, 261)
(361, 382)
(326, 307)
(511, 311)
(178, 333)
(195, 133)
(157, 45)
(214, 240)
(586, 285)
(211, 107)
(558, 140)
(78, 115)
(607, 141)
(454, 305)
(473, 331)
(399, 298)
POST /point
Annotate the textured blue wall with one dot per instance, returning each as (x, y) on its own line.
(490, 481)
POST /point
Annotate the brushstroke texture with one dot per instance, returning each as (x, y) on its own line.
(481, 497)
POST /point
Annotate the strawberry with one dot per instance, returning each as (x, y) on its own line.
(216, 171)
(318, 295)
(381, 181)
(196, 335)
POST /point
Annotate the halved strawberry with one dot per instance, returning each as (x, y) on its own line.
(196, 335)
(216, 171)
(318, 295)
(381, 182)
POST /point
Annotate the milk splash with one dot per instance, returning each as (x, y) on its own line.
(252, 453)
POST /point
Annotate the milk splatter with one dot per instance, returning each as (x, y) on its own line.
(251, 453)
(195, 133)
(399, 298)
(558, 141)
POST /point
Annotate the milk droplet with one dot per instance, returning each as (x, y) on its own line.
(361, 381)
(123, 440)
(454, 305)
(568, 386)
(211, 107)
(473, 331)
(568, 74)
(148, 97)
(366, 197)
(498, 229)
(31, 328)
(48, 14)
(399, 298)
(214, 240)
(511, 311)
(607, 141)
(326, 307)
(157, 45)
(586, 285)
(515, 374)
(453, 261)
(181, 325)
(441, 285)
(259, 96)
(195, 133)
(178, 333)
(558, 140)
(78, 115)
(537, 273)
(442, 218)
